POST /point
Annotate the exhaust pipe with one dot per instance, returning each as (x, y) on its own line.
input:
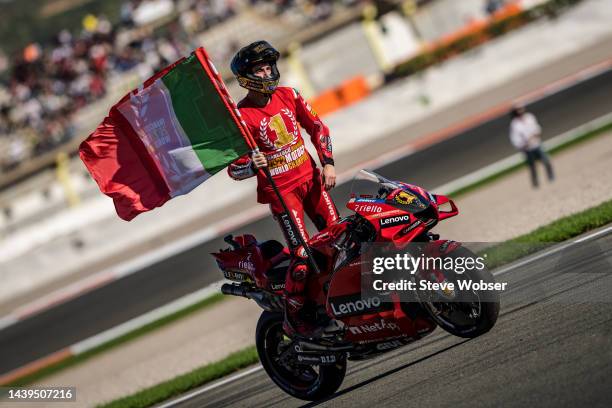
(264, 300)
(234, 290)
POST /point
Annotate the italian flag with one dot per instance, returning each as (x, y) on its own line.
(166, 137)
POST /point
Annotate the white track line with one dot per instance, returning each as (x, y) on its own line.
(200, 391)
(147, 318)
(124, 328)
(604, 231)
(7, 321)
(131, 266)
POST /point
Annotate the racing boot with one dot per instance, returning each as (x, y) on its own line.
(297, 323)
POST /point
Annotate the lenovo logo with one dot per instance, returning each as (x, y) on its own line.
(290, 232)
(355, 307)
(394, 221)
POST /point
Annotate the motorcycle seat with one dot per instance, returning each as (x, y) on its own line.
(274, 251)
(279, 259)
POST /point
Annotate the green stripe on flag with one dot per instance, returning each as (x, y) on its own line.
(208, 124)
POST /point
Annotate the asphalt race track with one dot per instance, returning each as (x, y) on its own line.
(172, 278)
(551, 347)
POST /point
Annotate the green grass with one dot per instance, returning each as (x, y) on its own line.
(71, 361)
(557, 231)
(494, 177)
(186, 382)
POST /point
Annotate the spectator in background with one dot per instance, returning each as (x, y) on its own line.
(492, 6)
(525, 134)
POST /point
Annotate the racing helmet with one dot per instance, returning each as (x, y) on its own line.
(251, 55)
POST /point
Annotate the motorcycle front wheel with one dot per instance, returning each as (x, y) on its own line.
(309, 383)
(475, 313)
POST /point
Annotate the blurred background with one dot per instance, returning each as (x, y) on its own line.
(419, 90)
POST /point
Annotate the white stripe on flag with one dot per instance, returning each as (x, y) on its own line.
(151, 115)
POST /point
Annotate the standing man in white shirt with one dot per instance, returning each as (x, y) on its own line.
(525, 136)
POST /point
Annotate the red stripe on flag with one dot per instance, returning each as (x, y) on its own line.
(120, 163)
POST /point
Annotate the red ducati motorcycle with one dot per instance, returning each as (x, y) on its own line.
(386, 212)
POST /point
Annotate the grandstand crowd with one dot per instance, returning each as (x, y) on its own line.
(48, 83)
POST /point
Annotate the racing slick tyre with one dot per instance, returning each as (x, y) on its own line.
(306, 382)
(472, 312)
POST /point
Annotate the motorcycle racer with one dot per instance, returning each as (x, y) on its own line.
(273, 115)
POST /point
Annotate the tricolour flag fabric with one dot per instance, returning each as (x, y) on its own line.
(166, 137)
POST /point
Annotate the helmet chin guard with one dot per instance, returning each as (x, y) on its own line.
(247, 58)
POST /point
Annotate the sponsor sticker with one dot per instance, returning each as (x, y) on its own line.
(236, 276)
(355, 305)
(287, 159)
(367, 208)
(277, 286)
(246, 264)
(394, 221)
(374, 327)
(330, 205)
(290, 232)
(387, 214)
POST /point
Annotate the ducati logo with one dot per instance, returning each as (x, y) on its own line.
(405, 198)
(330, 205)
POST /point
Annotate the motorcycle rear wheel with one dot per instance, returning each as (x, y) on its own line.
(466, 319)
(304, 382)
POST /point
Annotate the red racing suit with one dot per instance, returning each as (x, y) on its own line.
(275, 129)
